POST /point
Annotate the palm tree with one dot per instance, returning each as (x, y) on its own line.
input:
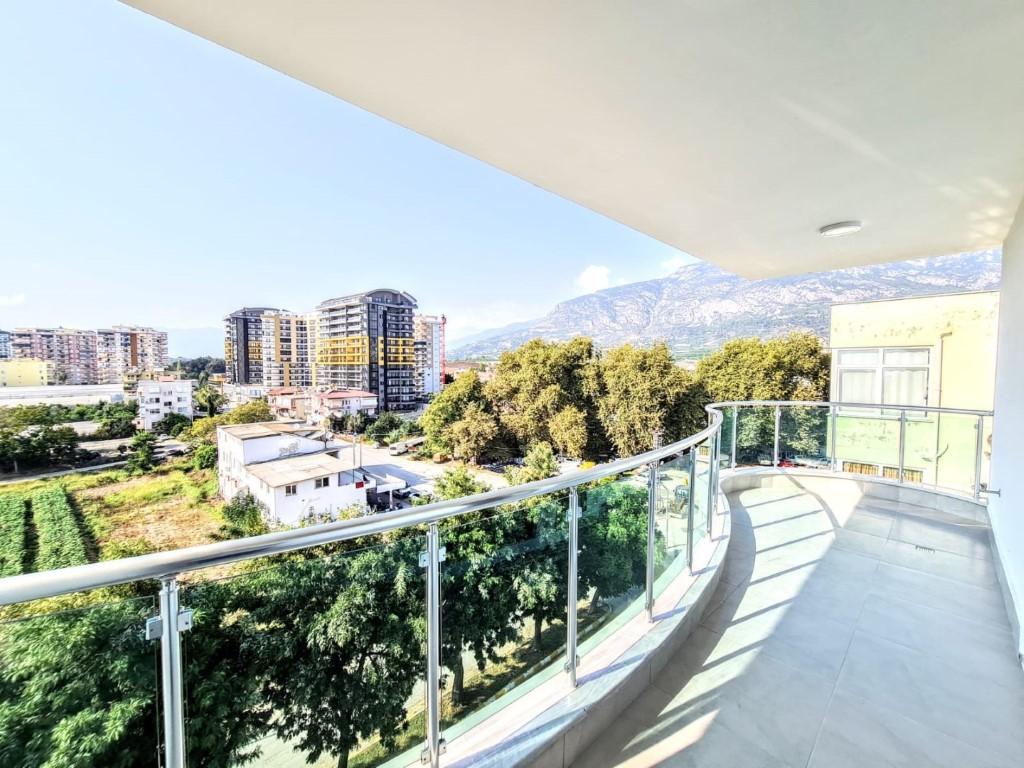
(209, 399)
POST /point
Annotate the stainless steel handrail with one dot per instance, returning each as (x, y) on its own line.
(160, 565)
(837, 404)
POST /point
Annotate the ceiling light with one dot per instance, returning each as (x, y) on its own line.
(840, 228)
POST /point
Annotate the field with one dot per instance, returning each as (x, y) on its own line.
(94, 516)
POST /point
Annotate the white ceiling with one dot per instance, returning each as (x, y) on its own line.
(731, 129)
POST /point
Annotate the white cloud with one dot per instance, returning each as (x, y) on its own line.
(673, 263)
(594, 278)
(13, 300)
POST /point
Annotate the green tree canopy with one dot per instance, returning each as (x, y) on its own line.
(448, 407)
(533, 384)
(473, 434)
(644, 391)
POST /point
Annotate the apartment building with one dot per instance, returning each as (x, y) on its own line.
(288, 344)
(292, 469)
(161, 397)
(243, 345)
(71, 352)
(5, 345)
(128, 352)
(428, 349)
(25, 373)
(365, 342)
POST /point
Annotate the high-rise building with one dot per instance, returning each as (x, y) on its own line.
(128, 351)
(243, 345)
(5, 345)
(288, 342)
(428, 332)
(71, 352)
(366, 343)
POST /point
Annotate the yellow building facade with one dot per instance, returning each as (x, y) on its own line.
(937, 351)
(26, 372)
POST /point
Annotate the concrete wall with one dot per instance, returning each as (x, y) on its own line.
(1007, 510)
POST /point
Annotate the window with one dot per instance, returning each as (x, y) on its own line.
(289, 490)
(322, 482)
(890, 376)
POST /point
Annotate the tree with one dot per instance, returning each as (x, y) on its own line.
(644, 391)
(115, 428)
(794, 367)
(249, 413)
(172, 424)
(142, 457)
(204, 457)
(533, 384)
(244, 515)
(386, 423)
(448, 407)
(473, 434)
(337, 642)
(209, 399)
(38, 446)
(568, 430)
(540, 463)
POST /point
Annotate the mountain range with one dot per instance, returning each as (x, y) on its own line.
(699, 306)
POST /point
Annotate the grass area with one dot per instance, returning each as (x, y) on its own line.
(169, 507)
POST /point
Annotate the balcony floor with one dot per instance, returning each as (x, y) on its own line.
(846, 632)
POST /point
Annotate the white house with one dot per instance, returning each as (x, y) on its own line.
(290, 468)
(343, 402)
(161, 397)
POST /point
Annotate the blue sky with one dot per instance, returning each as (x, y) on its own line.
(151, 177)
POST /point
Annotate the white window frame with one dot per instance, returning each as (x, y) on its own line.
(878, 371)
(291, 490)
(322, 482)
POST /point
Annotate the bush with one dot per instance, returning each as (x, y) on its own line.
(59, 538)
(244, 515)
(205, 457)
(12, 535)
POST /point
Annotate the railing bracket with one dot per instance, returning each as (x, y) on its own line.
(442, 747)
(155, 625)
(424, 557)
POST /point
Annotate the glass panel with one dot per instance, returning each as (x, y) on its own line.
(803, 437)
(755, 436)
(906, 356)
(956, 451)
(701, 487)
(311, 657)
(857, 357)
(79, 687)
(908, 386)
(673, 494)
(504, 587)
(857, 386)
(725, 443)
(613, 553)
(867, 440)
(921, 447)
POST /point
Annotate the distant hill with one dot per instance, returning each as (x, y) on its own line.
(700, 306)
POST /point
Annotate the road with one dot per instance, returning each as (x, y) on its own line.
(380, 462)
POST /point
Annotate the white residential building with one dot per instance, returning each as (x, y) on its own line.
(161, 397)
(428, 349)
(288, 467)
(342, 402)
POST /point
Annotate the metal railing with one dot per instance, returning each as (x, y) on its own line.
(843, 446)
(167, 567)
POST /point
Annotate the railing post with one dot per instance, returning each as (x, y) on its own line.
(689, 507)
(711, 482)
(775, 448)
(903, 441)
(652, 508)
(978, 455)
(431, 560)
(172, 622)
(735, 421)
(571, 656)
(832, 437)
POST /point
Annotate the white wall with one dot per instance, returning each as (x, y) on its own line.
(1007, 510)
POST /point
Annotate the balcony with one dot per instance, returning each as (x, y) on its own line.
(697, 604)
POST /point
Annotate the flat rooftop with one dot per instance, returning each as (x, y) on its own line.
(298, 468)
(269, 429)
